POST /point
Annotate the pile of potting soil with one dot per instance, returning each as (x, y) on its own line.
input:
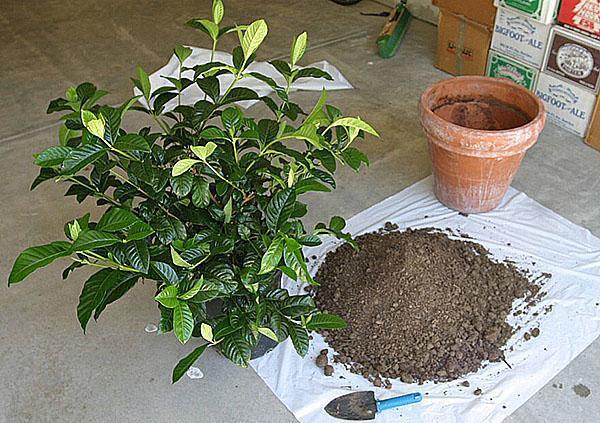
(419, 305)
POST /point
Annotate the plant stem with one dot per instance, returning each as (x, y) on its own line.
(216, 172)
(148, 196)
(96, 192)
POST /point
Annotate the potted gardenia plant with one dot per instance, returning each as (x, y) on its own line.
(209, 206)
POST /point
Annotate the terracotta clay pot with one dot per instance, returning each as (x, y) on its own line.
(478, 129)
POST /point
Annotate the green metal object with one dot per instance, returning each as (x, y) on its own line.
(391, 36)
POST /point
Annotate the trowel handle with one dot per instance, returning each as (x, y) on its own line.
(386, 404)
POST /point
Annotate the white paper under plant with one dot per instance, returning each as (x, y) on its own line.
(520, 229)
(200, 56)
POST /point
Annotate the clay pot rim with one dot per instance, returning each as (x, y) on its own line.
(476, 132)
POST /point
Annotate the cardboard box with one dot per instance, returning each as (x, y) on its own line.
(574, 58)
(481, 11)
(581, 15)
(520, 37)
(567, 105)
(543, 11)
(593, 136)
(501, 66)
(462, 45)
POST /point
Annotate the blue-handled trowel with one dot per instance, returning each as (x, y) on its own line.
(364, 406)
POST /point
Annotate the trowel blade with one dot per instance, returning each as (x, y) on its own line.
(354, 406)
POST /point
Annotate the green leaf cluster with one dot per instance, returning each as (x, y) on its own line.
(207, 202)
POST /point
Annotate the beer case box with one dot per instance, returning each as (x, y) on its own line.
(462, 45)
(574, 58)
(567, 105)
(520, 37)
(593, 136)
(581, 15)
(543, 11)
(501, 66)
(481, 11)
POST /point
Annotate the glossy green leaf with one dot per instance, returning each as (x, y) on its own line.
(228, 210)
(187, 362)
(280, 208)
(298, 48)
(168, 297)
(310, 184)
(91, 239)
(116, 219)
(270, 260)
(36, 257)
(294, 259)
(165, 272)
(53, 156)
(193, 290)
(182, 52)
(138, 255)
(337, 223)
(326, 321)
(299, 337)
(139, 230)
(268, 333)
(204, 151)
(132, 142)
(183, 322)
(210, 85)
(236, 349)
(183, 166)
(81, 157)
(253, 37)
(357, 123)
(218, 10)
(144, 82)
(178, 260)
(206, 332)
(182, 184)
(201, 193)
(94, 291)
(116, 293)
(93, 124)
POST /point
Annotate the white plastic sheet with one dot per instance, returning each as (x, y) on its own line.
(201, 55)
(520, 229)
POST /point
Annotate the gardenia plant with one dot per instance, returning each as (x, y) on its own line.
(209, 207)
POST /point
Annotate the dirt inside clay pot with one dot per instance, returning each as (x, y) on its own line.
(419, 305)
(482, 113)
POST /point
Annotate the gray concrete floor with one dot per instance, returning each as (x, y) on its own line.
(49, 370)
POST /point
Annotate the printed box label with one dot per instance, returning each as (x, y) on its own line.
(500, 66)
(520, 37)
(572, 57)
(567, 105)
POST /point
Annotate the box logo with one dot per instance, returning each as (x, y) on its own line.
(563, 98)
(527, 6)
(509, 71)
(519, 29)
(575, 60)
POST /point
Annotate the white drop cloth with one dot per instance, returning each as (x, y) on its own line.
(201, 55)
(536, 235)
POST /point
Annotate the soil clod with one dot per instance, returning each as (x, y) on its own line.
(582, 390)
(328, 370)
(477, 391)
(419, 305)
(321, 360)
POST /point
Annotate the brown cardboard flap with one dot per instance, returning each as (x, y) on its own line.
(462, 45)
(593, 136)
(480, 11)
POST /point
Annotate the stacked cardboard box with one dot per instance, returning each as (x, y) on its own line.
(464, 34)
(559, 61)
(560, 65)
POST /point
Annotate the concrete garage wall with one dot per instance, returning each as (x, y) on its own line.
(421, 9)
